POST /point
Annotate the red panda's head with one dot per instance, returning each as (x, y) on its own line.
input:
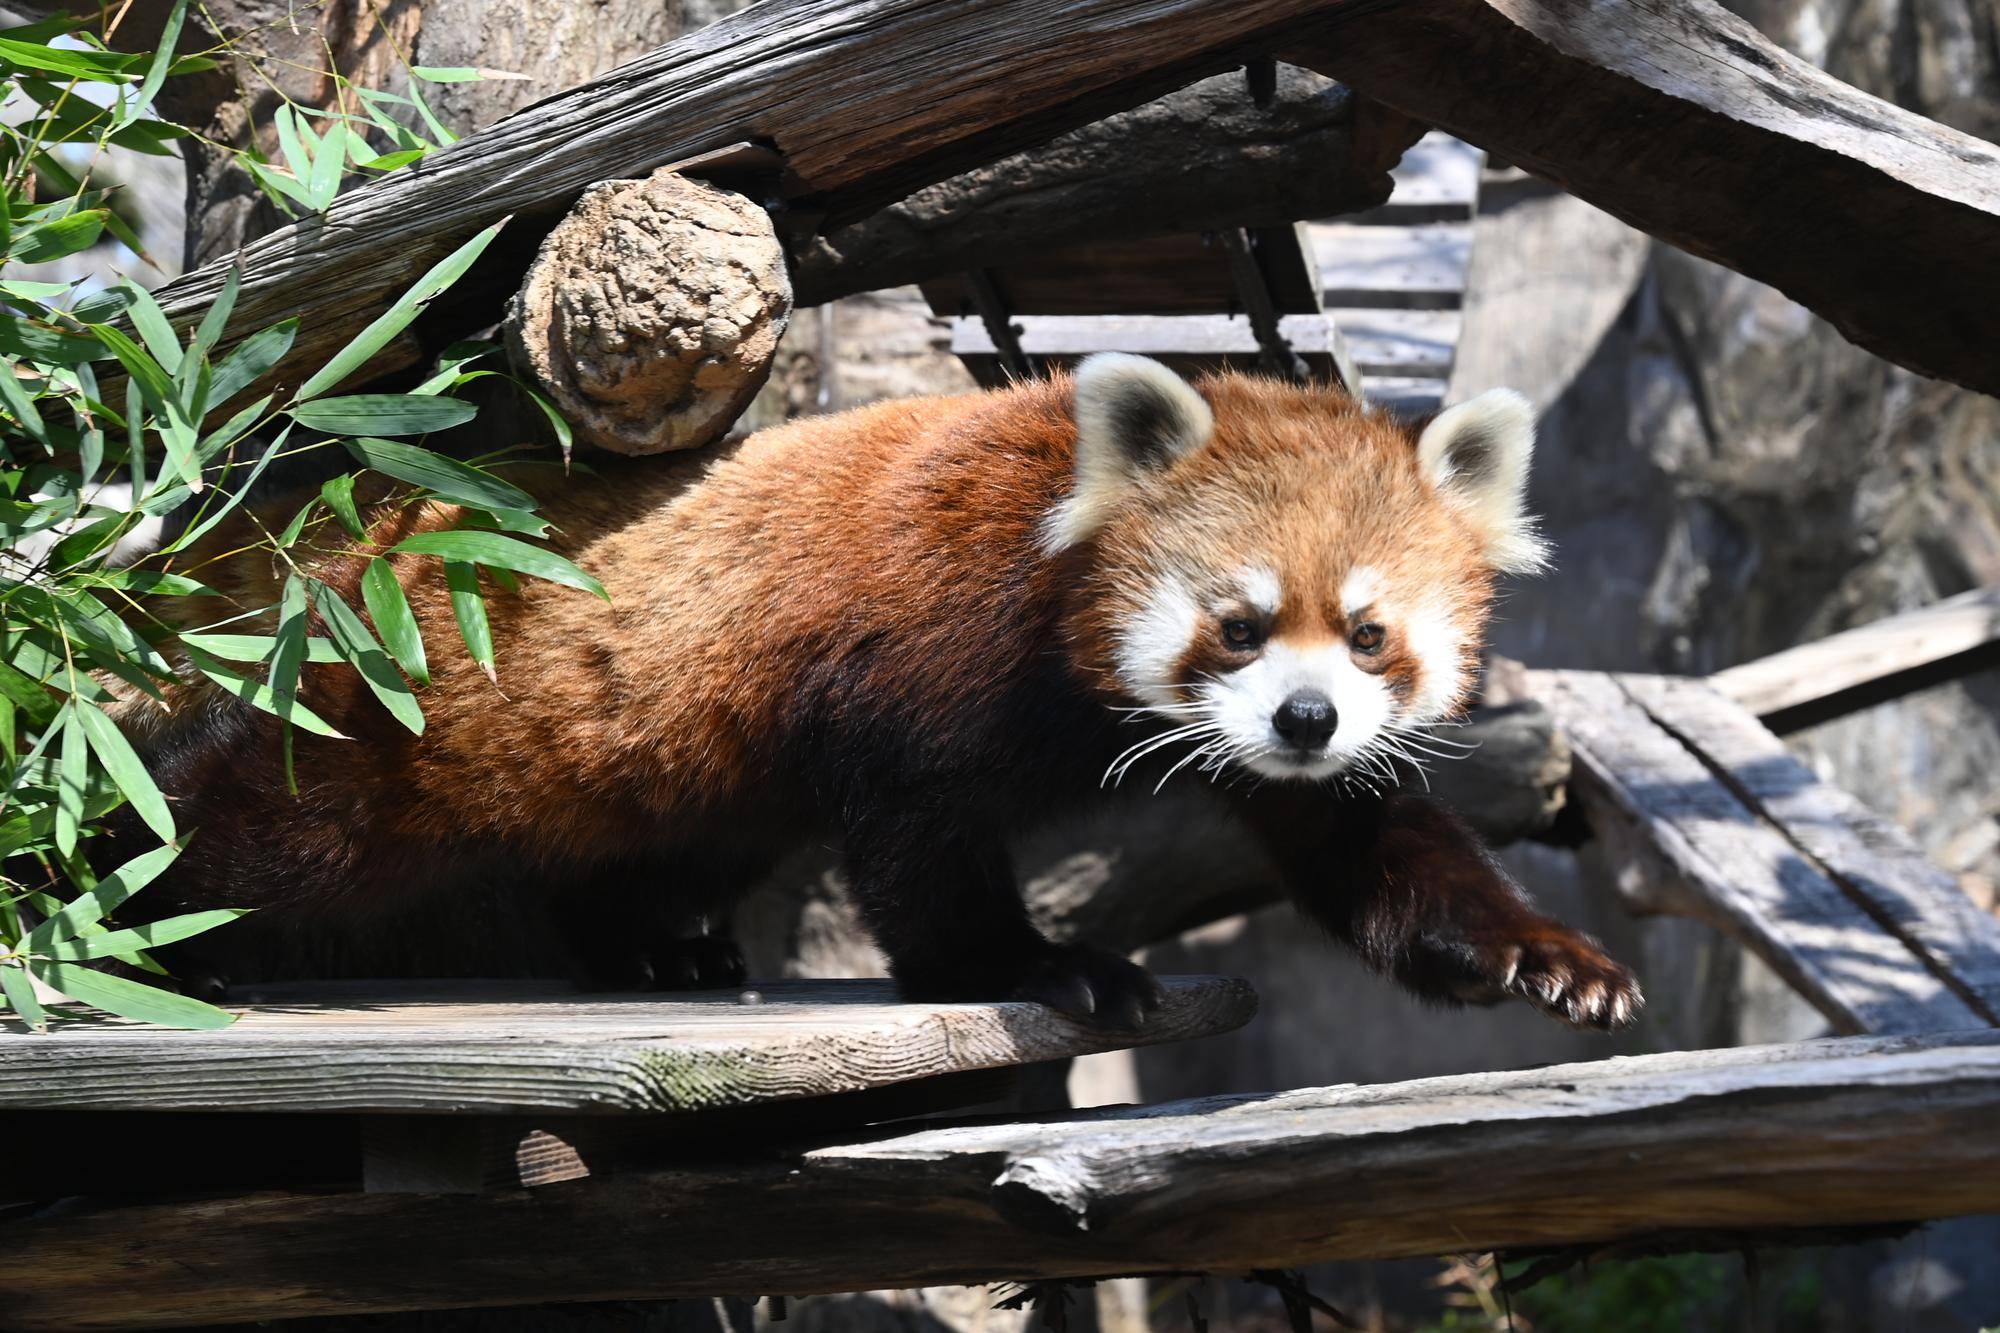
(1298, 583)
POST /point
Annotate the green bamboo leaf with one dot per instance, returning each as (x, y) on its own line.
(361, 650)
(153, 583)
(450, 479)
(329, 156)
(277, 184)
(151, 322)
(446, 73)
(491, 548)
(24, 340)
(95, 66)
(130, 999)
(257, 647)
(397, 317)
(231, 430)
(102, 899)
(251, 359)
(72, 780)
(195, 533)
(45, 241)
(339, 496)
(389, 608)
(257, 694)
(122, 762)
(163, 61)
(20, 992)
(390, 161)
(16, 400)
(290, 654)
(29, 695)
(383, 414)
(152, 935)
(469, 609)
(297, 159)
(217, 318)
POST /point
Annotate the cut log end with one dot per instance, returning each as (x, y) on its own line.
(652, 313)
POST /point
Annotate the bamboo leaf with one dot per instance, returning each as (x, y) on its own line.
(383, 414)
(19, 989)
(338, 493)
(491, 548)
(122, 762)
(109, 893)
(469, 609)
(217, 319)
(251, 359)
(257, 647)
(257, 694)
(151, 321)
(397, 317)
(361, 650)
(152, 935)
(45, 241)
(450, 479)
(389, 608)
(130, 999)
(72, 781)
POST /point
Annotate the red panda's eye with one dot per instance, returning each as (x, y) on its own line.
(1367, 637)
(1242, 633)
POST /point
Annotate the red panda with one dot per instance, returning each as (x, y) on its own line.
(917, 628)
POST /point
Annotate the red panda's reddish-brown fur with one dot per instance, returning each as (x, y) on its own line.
(852, 627)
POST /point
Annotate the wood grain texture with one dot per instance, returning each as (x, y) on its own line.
(1686, 122)
(1871, 664)
(857, 96)
(519, 1048)
(1877, 864)
(1199, 159)
(1818, 1134)
(1711, 854)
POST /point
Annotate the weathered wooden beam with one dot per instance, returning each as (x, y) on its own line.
(852, 93)
(1683, 120)
(1712, 822)
(1819, 1134)
(1871, 664)
(1203, 158)
(527, 1048)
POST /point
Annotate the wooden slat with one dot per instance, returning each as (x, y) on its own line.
(1406, 396)
(1188, 343)
(1819, 1134)
(1406, 268)
(1872, 664)
(1644, 789)
(1401, 344)
(1877, 864)
(1186, 274)
(485, 1048)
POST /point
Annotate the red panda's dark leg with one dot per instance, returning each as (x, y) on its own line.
(942, 903)
(1410, 887)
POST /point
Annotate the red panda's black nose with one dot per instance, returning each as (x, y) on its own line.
(1306, 720)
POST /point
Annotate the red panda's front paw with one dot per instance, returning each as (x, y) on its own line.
(1565, 975)
(1092, 985)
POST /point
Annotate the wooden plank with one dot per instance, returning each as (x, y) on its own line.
(492, 1049)
(1410, 268)
(853, 93)
(1872, 664)
(1640, 785)
(1401, 344)
(1685, 121)
(1186, 274)
(1188, 343)
(1818, 1134)
(1406, 396)
(1876, 863)
(1201, 159)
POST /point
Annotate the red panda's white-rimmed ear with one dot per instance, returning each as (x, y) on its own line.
(1476, 455)
(1132, 413)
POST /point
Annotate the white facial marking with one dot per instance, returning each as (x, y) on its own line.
(1362, 588)
(1244, 703)
(1260, 589)
(1439, 647)
(1151, 644)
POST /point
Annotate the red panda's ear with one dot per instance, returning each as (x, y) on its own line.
(1476, 455)
(1132, 414)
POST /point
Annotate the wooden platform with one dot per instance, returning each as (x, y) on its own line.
(1821, 1134)
(480, 1048)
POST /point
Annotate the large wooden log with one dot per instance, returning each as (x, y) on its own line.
(1683, 120)
(1201, 159)
(1820, 1134)
(853, 93)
